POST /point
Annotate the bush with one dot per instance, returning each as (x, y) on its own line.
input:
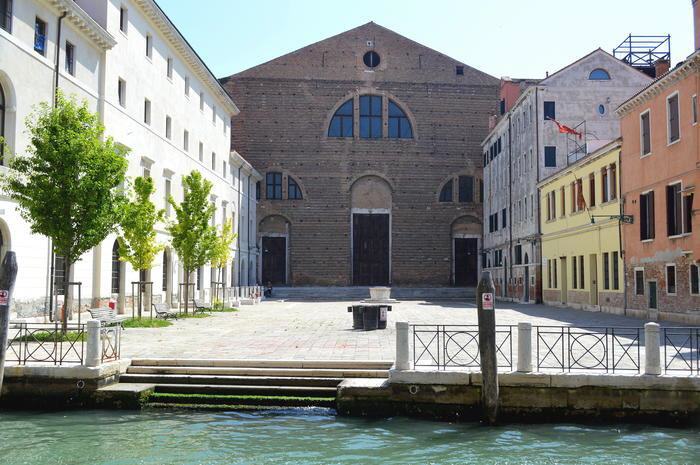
(145, 323)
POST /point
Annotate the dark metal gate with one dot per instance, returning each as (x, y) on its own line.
(370, 242)
(274, 260)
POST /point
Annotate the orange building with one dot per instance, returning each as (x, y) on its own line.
(660, 167)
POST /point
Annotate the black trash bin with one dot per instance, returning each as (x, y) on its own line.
(370, 317)
(383, 317)
(357, 322)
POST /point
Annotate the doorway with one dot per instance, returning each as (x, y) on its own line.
(370, 249)
(593, 267)
(564, 284)
(274, 260)
(466, 261)
(652, 295)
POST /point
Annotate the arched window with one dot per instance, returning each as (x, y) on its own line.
(466, 189)
(273, 184)
(370, 116)
(2, 124)
(341, 123)
(116, 268)
(293, 190)
(599, 74)
(446, 192)
(399, 125)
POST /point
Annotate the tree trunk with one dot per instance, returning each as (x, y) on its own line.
(187, 288)
(66, 295)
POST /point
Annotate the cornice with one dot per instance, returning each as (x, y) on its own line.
(85, 24)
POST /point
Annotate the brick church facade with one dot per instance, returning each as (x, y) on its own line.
(369, 145)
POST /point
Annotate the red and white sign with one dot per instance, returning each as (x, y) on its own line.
(4, 297)
(487, 301)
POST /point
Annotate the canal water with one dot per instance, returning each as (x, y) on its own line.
(317, 436)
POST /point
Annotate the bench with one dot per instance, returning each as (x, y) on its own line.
(162, 311)
(105, 315)
(200, 306)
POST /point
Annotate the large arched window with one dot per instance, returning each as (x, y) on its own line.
(293, 190)
(599, 74)
(446, 192)
(116, 268)
(2, 124)
(399, 125)
(370, 116)
(341, 123)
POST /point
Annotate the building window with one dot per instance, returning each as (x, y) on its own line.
(257, 190)
(213, 161)
(639, 281)
(674, 210)
(224, 170)
(149, 45)
(123, 19)
(694, 109)
(606, 271)
(616, 270)
(599, 74)
(694, 279)
(273, 186)
(201, 152)
(147, 111)
(200, 278)
(646, 216)
(342, 121)
(591, 189)
(40, 36)
(459, 69)
(116, 268)
(581, 275)
(674, 129)
(121, 91)
(466, 189)
(601, 109)
(370, 116)
(201, 101)
(645, 130)
(186, 140)
(504, 218)
(187, 86)
(170, 68)
(671, 279)
(555, 274)
(70, 58)
(550, 156)
(446, 192)
(213, 114)
(165, 272)
(613, 182)
(605, 187)
(502, 106)
(168, 127)
(562, 199)
(168, 189)
(518, 259)
(550, 110)
(399, 125)
(6, 15)
(371, 59)
(574, 274)
(293, 190)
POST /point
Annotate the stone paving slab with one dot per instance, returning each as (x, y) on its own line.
(294, 330)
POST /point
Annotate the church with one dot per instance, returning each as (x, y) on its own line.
(369, 148)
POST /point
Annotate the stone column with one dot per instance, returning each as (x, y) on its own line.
(93, 349)
(402, 347)
(525, 347)
(652, 349)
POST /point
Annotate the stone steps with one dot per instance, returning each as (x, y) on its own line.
(353, 294)
(261, 391)
(232, 363)
(262, 381)
(261, 372)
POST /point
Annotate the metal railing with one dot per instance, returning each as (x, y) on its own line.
(457, 346)
(681, 348)
(111, 342)
(45, 343)
(590, 348)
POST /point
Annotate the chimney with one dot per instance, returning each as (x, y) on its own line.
(661, 67)
(696, 22)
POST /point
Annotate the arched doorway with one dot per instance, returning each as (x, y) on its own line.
(274, 238)
(466, 236)
(371, 200)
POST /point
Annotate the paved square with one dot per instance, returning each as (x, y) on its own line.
(316, 330)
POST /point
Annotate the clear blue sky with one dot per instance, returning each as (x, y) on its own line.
(517, 38)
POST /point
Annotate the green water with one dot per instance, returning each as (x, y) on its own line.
(316, 436)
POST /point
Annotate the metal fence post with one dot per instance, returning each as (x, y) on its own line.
(652, 349)
(402, 348)
(524, 347)
(93, 351)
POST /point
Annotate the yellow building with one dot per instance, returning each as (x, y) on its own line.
(581, 240)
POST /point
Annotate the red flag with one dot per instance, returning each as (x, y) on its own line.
(566, 129)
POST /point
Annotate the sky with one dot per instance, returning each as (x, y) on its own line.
(515, 38)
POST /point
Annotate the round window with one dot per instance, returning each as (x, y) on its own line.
(371, 59)
(601, 109)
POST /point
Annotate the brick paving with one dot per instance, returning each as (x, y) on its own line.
(313, 330)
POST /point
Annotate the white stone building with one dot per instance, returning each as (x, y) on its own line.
(156, 97)
(525, 147)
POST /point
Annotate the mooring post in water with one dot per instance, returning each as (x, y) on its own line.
(8, 274)
(486, 309)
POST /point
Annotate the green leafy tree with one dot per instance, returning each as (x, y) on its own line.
(66, 187)
(193, 237)
(137, 243)
(222, 249)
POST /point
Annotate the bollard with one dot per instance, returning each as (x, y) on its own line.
(8, 274)
(93, 350)
(652, 349)
(525, 347)
(487, 347)
(402, 349)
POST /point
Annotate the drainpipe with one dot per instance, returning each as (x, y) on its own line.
(510, 203)
(619, 234)
(538, 243)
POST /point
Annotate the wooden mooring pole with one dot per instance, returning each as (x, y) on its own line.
(8, 274)
(486, 308)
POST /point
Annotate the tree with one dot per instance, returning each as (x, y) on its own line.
(137, 243)
(193, 236)
(66, 187)
(222, 249)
